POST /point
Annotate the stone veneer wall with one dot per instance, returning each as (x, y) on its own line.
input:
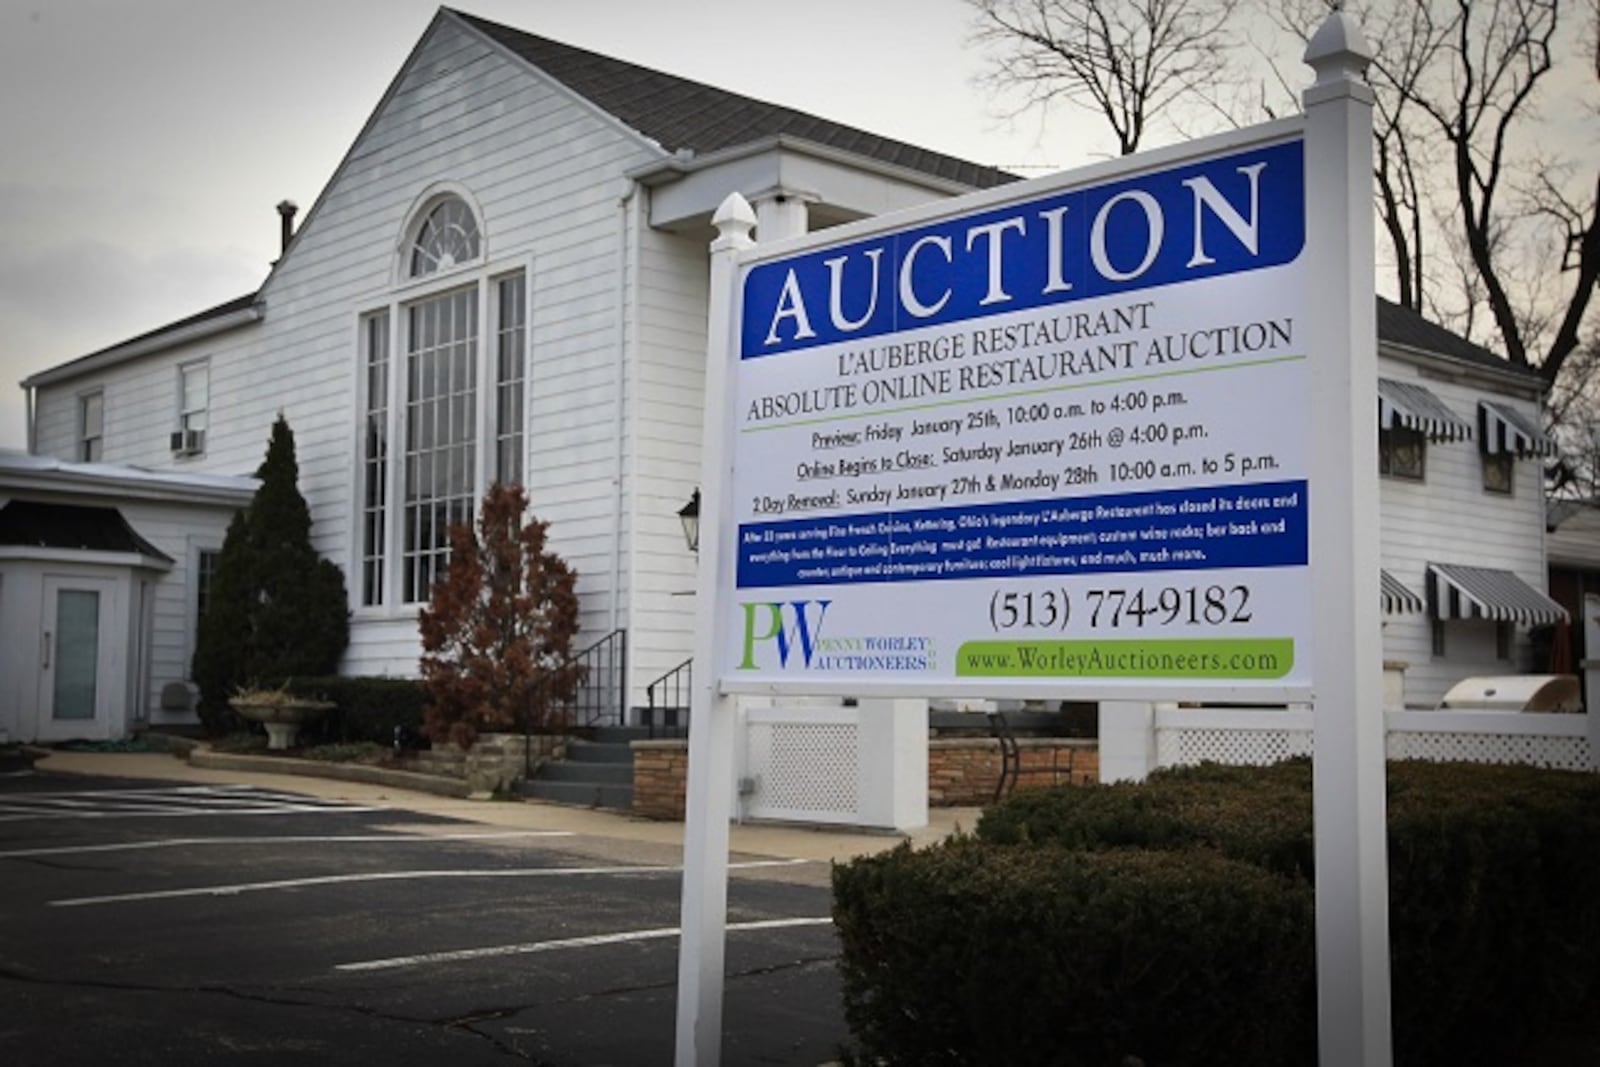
(492, 763)
(660, 779)
(961, 771)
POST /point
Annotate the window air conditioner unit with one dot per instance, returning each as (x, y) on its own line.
(188, 442)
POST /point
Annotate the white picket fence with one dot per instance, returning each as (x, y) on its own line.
(1136, 738)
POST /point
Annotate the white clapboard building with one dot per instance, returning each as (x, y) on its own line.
(506, 278)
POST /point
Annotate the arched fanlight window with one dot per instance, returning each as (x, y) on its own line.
(447, 238)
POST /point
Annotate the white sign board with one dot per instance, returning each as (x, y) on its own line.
(1061, 438)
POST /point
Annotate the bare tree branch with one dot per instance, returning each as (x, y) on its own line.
(1127, 60)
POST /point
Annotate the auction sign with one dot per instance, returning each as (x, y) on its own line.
(1059, 438)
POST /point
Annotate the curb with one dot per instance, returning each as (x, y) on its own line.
(206, 757)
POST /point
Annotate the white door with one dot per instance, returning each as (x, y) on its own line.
(80, 682)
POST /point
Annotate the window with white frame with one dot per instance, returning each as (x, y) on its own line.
(1499, 472)
(1402, 453)
(447, 237)
(91, 426)
(511, 302)
(205, 572)
(441, 433)
(444, 377)
(194, 396)
(374, 454)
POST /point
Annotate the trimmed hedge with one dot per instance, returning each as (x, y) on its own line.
(1494, 878)
(970, 954)
(368, 709)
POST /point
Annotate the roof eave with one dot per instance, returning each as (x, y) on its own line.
(38, 474)
(674, 168)
(1525, 382)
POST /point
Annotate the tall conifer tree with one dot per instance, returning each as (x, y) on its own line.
(276, 609)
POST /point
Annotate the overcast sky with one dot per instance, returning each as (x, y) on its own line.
(143, 143)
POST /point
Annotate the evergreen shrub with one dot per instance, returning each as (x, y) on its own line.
(366, 708)
(276, 609)
(968, 953)
(1494, 919)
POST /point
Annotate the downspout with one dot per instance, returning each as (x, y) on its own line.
(27, 402)
(626, 331)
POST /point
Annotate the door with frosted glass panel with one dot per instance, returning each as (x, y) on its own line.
(76, 661)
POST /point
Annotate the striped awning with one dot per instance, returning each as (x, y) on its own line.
(1414, 407)
(1397, 599)
(1505, 429)
(1460, 592)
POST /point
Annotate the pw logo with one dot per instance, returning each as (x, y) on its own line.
(765, 621)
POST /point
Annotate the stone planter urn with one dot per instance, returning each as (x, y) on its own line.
(280, 713)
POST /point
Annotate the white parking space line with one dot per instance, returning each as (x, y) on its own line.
(569, 942)
(292, 839)
(392, 876)
(175, 801)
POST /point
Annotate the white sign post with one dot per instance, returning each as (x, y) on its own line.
(1057, 440)
(1349, 793)
(708, 807)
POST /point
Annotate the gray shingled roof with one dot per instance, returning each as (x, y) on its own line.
(1402, 326)
(678, 113)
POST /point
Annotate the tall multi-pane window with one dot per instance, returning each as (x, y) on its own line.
(91, 426)
(205, 573)
(444, 380)
(374, 455)
(510, 375)
(194, 393)
(441, 431)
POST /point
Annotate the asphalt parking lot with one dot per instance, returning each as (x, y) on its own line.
(161, 922)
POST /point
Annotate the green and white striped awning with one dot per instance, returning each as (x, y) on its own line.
(1505, 429)
(1460, 592)
(1397, 599)
(1414, 407)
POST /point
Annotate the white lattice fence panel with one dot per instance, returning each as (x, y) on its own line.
(803, 770)
(1254, 736)
(1562, 753)
(1190, 745)
(1232, 736)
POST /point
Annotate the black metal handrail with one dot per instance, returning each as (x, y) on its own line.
(674, 688)
(1010, 755)
(590, 689)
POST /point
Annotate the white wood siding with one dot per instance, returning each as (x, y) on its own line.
(670, 369)
(181, 532)
(177, 529)
(1576, 542)
(1450, 518)
(546, 173)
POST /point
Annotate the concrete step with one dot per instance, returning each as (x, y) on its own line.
(596, 773)
(580, 794)
(599, 752)
(620, 735)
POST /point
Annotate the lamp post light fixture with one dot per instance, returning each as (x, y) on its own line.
(689, 515)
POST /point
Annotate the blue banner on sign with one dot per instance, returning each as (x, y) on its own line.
(1234, 213)
(1210, 528)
